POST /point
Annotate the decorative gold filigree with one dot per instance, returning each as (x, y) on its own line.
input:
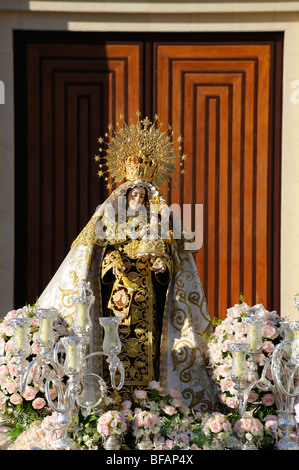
(140, 151)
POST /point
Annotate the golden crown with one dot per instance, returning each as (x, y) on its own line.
(139, 151)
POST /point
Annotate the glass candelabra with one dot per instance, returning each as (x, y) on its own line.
(64, 365)
(282, 366)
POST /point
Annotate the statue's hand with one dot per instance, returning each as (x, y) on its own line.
(118, 270)
(158, 266)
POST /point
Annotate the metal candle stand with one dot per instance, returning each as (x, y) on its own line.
(283, 367)
(48, 369)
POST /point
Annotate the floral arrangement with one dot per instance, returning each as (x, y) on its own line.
(153, 413)
(215, 429)
(112, 423)
(233, 330)
(250, 430)
(19, 411)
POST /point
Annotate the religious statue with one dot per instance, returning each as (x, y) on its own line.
(140, 265)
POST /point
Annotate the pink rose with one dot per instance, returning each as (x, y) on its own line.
(38, 403)
(269, 330)
(11, 314)
(29, 393)
(16, 399)
(140, 394)
(151, 420)
(176, 402)
(103, 429)
(155, 385)
(194, 447)
(169, 443)
(174, 393)
(4, 372)
(126, 405)
(105, 418)
(13, 369)
(268, 347)
(11, 387)
(268, 399)
(253, 396)
(138, 420)
(35, 322)
(169, 410)
(215, 426)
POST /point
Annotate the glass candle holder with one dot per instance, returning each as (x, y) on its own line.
(288, 335)
(45, 337)
(294, 326)
(75, 352)
(239, 370)
(82, 324)
(111, 343)
(254, 325)
(20, 343)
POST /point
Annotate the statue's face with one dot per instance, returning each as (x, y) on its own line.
(136, 197)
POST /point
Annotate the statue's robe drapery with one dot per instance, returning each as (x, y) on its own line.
(185, 314)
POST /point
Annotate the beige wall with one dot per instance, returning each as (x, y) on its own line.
(157, 16)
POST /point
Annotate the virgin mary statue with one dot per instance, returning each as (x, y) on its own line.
(140, 266)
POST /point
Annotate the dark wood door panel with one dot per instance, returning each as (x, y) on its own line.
(73, 92)
(219, 98)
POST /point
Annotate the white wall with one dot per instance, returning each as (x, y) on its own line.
(157, 16)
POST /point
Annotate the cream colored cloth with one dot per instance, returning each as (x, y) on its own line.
(185, 315)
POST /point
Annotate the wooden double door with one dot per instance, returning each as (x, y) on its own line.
(221, 92)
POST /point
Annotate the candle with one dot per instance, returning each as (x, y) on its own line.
(72, 356)
(239, 368)
(254, 325)
(239, 359)
(253, 333)
(20, 337)
(82, 316)
(46, 329)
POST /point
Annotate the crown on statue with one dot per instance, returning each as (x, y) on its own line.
(140, 151)
(151, 246)
(139, 167)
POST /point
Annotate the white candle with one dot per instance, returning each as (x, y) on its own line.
(71, 356)
(253, 331)
(82, 316)
(20, 337)
(45, 326)
(239, 364)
